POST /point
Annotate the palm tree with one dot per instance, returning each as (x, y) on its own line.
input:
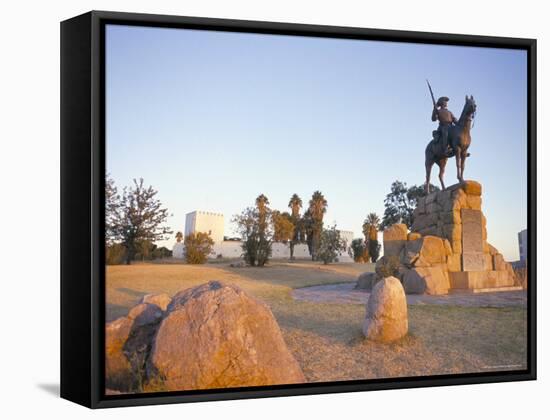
(317, 208)
(295, 204)
(261, 202)
(371, 225)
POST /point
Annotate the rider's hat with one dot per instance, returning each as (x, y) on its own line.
(441, 100)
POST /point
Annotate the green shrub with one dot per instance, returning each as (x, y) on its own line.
(359, 251)
(388, 267)
(115, 254)
(198, 246)
(329, 246)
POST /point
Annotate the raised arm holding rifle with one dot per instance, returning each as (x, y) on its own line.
(446, 119)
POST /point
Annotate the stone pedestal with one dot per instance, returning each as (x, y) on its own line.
(455, 215)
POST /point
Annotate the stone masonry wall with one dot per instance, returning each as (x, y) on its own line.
(455, 214)
(447, 247)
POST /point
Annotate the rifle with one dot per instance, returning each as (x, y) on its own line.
(431, 93)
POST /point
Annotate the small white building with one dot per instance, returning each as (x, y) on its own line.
(206, 222)
(522, 242)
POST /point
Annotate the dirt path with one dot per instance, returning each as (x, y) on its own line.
(345, 293)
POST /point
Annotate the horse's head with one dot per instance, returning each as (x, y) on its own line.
(470, 107)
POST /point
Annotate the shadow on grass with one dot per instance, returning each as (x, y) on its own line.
(341, 323)
(290, 276)
(131, 292)
(113, 311)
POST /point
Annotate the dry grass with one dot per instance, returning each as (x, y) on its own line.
(326, 339)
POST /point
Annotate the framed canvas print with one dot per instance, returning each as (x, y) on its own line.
(255, 209)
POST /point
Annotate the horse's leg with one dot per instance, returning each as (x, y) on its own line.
(442, 164)
(462, 164)
(458, 154)
(429, 164)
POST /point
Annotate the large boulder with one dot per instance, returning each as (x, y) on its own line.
(395, 238)
(217, 336)
(161, 300)
(117, 366)
(427, 280)
(127, 345)
(425, 252)
(366, 281)
(387, 318)
(388, 266)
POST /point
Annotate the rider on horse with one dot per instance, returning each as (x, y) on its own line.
(446, 120)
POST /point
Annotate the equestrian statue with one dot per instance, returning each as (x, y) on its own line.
(452, 138)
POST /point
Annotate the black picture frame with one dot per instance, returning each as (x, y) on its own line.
(82, 207)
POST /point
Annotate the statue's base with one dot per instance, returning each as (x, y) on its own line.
(447, 249)
(482, 281)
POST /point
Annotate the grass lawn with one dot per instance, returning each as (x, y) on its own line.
(326, 339)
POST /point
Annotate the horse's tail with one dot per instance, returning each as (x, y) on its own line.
(429, 153)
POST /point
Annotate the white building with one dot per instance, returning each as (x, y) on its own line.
(206, 222)
(347, 237)
(178, 251)
(522, 241)
(213, 224)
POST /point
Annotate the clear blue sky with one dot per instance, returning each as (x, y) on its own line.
(213, 119)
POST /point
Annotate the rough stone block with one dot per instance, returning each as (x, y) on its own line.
(421, 205)
(472, 187)
(488, 262)
(472, 235)
(454, 262)
(430, 198)
(492, 249)
(498, 262)
(427, 280)
(424, 252)
(473, 261)
(413, 236)
(432, 208)
(395, 238)
(474, 202)
(457, 246)
(472, 280)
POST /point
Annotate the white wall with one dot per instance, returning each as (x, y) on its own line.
(233, 249)
(178, 251)
(207, 222)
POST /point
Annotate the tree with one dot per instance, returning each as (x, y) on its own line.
(144, 250)
(295, 205)
(400, 203)
(115, 254)
(317, 209)
(359, 250)
(136, 217)
(198, 245)
(306, 226)
(253, 225)
(283, 228)
(112, 203)
(371, 226)
(161, 252)
(329, 245)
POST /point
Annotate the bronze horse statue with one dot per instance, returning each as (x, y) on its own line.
(459, 139)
